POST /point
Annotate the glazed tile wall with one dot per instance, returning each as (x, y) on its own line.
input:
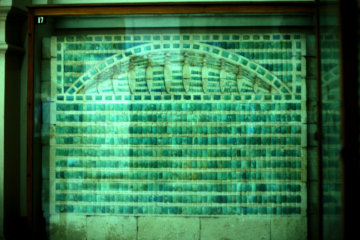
(331, 125)
(332, 183)
(200, 125)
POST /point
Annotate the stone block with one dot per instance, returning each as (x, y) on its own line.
(310, 45)
(312, 115)
(46, 108)
(111, 227)
(45, 162)
(312, 130)
(53, 47)
(311, 89)
(313, 230)
(332, 227)
(311, 67)
(67, 227)
(45, 134)
(46, 48)
(45, 198)
(234, 228)
(312, 158)
(45, 70)
(165, 228)
(313, 197)
(311, 112)
(45, 91)
(294, 228)
(53, 113)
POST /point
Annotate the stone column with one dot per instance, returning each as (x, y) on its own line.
(3, 47)
(12, 18)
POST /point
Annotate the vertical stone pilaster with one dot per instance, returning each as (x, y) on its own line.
(11, 56)
(3, 48)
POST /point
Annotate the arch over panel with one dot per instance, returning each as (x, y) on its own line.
(194, 64)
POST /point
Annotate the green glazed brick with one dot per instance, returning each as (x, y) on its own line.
(80, 38)
(60, 39)
(194, 37)
(226, 37)
(70, 39)
(98, 38)
(178, 210)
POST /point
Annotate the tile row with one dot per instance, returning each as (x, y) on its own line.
(258, 55)
(255, 45)
(178, 107)
(167, 37)
(183, 187)
(149, 164)
(183, 175)
(178, 97)
(225, 199)
(195, 118)
(176, 141)
(177, 130)
(155, 210)
(156, 152)
(82, 68)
